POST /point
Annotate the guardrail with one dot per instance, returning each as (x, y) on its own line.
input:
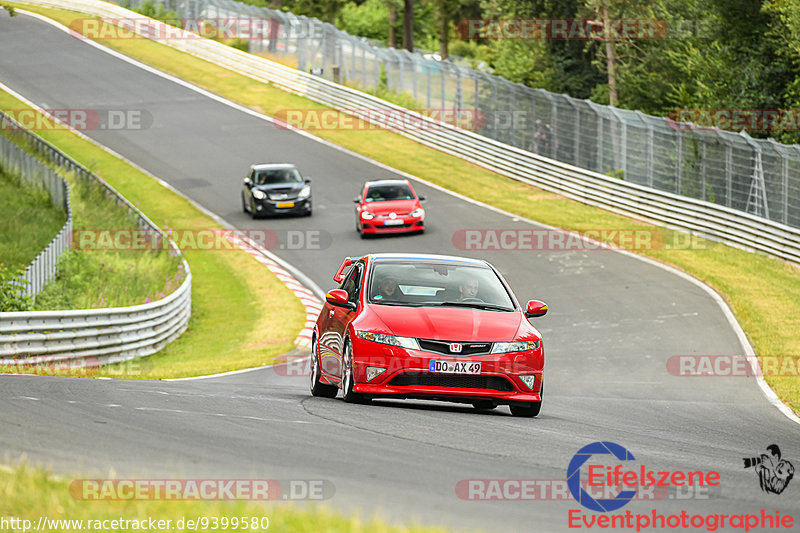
(675, 211)
(17, 162)
(88, 337)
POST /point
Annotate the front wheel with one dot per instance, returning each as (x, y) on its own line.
(348, 377)
(317, 387)
(528, 410)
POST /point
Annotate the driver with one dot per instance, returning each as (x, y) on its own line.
(468, 289)
(387, 289)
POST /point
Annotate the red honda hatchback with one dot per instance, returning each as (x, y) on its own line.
(430, 327)
(389, 206)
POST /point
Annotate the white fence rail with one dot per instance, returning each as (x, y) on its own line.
(18, 163)
(88, 337)
(675, 211)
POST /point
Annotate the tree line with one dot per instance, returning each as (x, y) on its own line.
(729, 57)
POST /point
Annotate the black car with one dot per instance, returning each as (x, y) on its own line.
(273, 189)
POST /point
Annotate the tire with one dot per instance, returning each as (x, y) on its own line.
(348, 379)
(244, 205)
(318, 388)
(484, 405)
(253, 209)
(528, 410)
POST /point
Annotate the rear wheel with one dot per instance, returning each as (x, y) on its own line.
(348, 377)
(318, 388)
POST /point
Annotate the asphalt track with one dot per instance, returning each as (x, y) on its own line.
(613, 323)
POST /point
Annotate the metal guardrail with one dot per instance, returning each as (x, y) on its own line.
(17, 162)
(92, 336)
(673, 210)
(756, 176)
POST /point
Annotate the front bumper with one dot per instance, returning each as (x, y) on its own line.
(378, 225)
(274, 207)
(408, 375)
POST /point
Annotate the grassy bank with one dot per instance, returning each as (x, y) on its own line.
(28, 222)
(764, 293)
(229, 288)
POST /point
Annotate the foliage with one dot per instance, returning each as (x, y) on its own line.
(12, 291)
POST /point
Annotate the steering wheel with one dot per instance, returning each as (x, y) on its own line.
(471, 300)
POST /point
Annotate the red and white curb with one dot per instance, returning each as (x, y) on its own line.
(312, 304)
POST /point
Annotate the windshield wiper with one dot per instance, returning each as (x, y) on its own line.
(476, 305)
(402, 304)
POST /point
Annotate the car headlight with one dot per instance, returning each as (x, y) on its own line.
(418, 212)
(521, 346)
(305, 192)
(403, 342)
(259, 195)
(366, 215)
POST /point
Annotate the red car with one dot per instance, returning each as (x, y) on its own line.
(389, 206)
(430, 327)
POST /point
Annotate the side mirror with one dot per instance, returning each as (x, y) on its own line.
(248, 182)
(421, 198)
(357, 200)
(308, 180)
(339, 298)
(535, 308)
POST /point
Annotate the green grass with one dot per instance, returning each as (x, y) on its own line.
(229, 288)
(29, 493)
(764, 293)
(28, 222)
(90, 278)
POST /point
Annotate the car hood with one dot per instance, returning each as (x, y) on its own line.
(281, 186)
(449, 323)
(401, 207)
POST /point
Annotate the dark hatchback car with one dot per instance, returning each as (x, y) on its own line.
(274, 189)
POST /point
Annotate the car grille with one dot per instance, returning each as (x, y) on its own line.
(452, 381)
(282, 194)
(467, 348)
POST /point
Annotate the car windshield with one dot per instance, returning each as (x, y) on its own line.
(418, 284)
(382, 193)
(277, 176)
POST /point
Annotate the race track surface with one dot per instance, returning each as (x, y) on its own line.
(613, 323)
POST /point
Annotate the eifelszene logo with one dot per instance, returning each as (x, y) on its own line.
(626, 476)
(774, 473)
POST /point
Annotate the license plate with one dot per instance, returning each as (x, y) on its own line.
(455, 367)
(395, 222)
(284, 204)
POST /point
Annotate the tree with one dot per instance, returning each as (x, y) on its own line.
(408, 25)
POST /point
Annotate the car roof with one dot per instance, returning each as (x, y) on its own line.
(427, 257)
(387, 182)
(271, 166)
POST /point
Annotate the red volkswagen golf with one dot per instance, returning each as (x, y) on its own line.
(430, 327)
(389, 206)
